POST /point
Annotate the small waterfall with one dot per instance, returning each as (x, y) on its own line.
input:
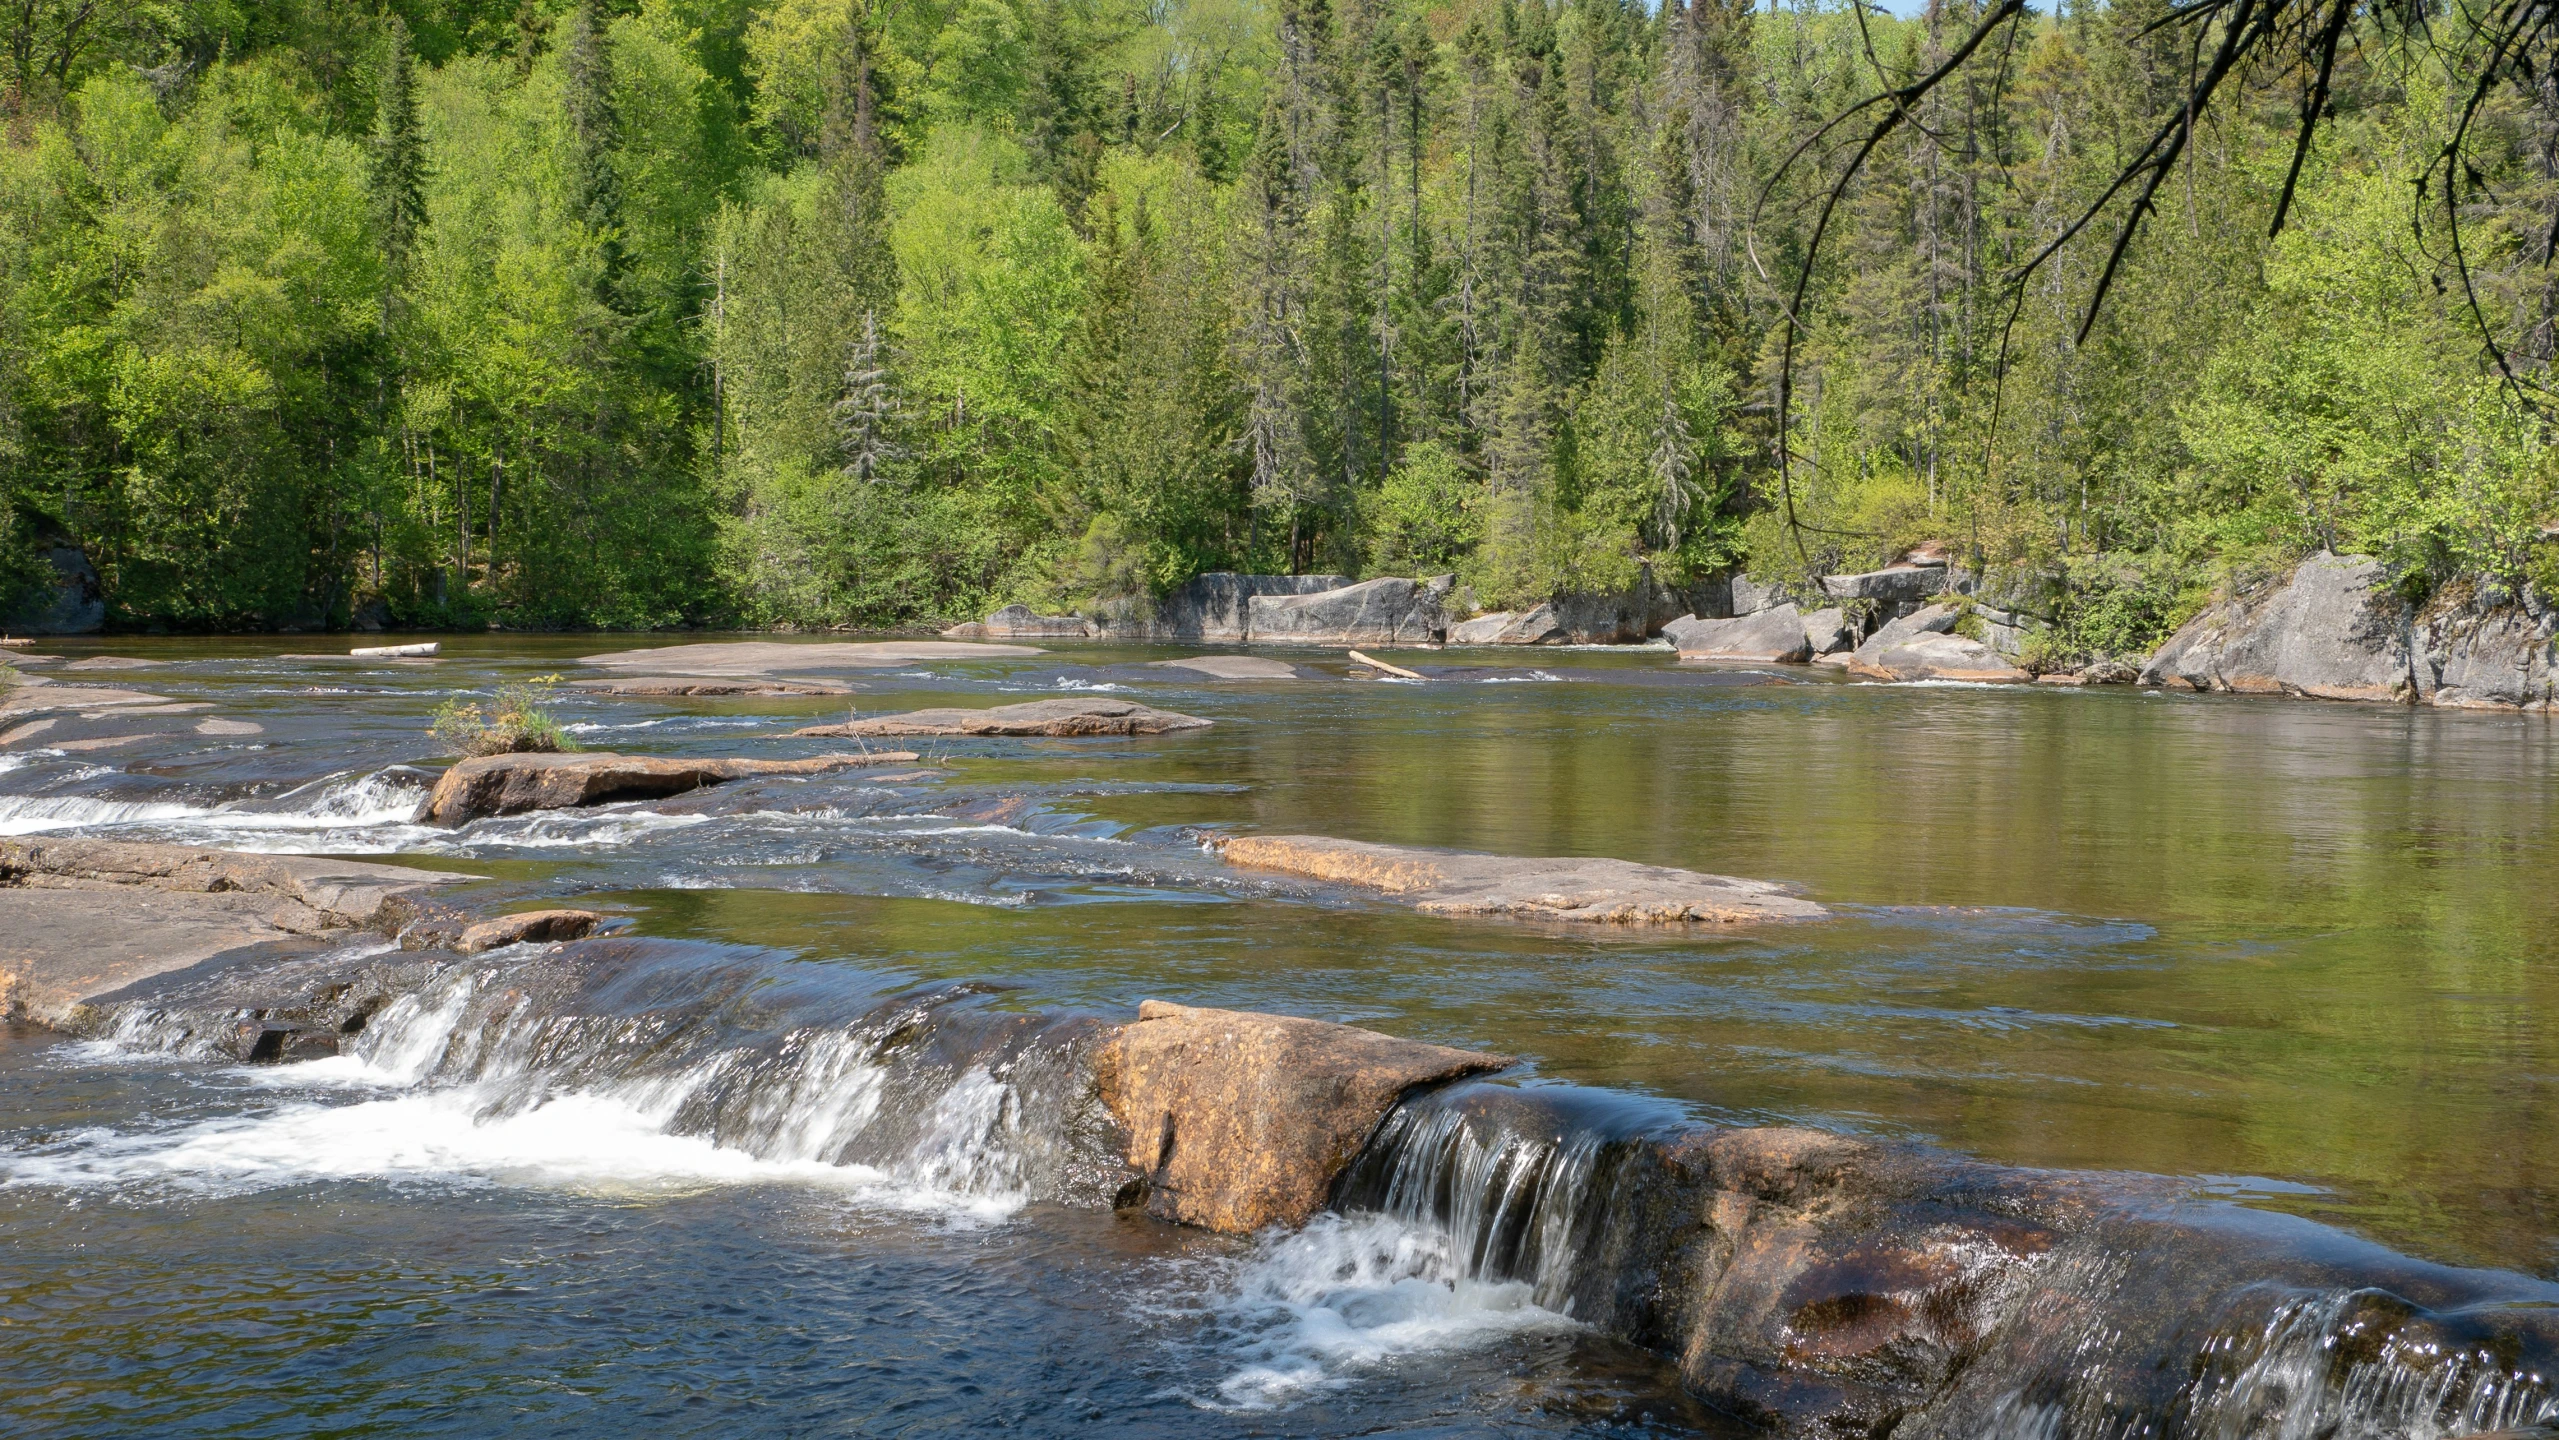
(1526, 1185)
(2346, 1366)
(911, 1096)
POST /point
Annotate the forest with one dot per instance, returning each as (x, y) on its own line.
(827, 313)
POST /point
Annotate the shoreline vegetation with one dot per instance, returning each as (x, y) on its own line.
(806, 314)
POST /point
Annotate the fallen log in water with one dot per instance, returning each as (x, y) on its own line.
(417, 651)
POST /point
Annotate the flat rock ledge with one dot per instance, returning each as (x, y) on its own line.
(1238, 1121)
(772, 657)
(513, 784)
(1580, 889)
(1037, 717)
(683, 685)
(81, 918)
(1232, 667)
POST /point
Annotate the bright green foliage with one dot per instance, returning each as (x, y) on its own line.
(829, 312)
(513, 722)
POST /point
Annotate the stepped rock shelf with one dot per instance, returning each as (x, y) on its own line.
(1811, 1284)
(1581, 889)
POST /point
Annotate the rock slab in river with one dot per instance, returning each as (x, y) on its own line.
(1776, 634)
(1232, 667)
(1936, 657)
(1451, 882)
(1074, 716)
(513, 784)
(692, 685)
(1240, 1121)
(527, 927)
(767, 657)
(83, 917)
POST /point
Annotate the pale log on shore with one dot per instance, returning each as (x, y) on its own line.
(512, 784)
(80, 918)
(1452, 882)
(1239, 1120)
(394, 652)
(1067, 717)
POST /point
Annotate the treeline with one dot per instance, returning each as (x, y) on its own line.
(814, 313)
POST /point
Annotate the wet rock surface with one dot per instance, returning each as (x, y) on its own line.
(1065, 717)
(82, 917)
(527, 927)
(513, 784)
(1775, 635)
(1239, 1121)
(1584, 890)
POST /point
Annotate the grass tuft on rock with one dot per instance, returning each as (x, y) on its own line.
(514, 722)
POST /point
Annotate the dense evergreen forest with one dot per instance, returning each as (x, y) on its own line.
(841, 312)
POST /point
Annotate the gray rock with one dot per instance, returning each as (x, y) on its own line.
(1937, 657)
(1373, 612)
(1894, 584)
(2489, 650)
(1072, 715)
(1828, 630)
(1510, 627)
(74, 604)
(1214, 606)
(1751, 596)
(1232, 667)
(1934, 620)
(735, 658)
(1766, 635)
(2332, 631)
(1018, 622)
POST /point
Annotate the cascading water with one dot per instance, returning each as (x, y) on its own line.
(624, 1064)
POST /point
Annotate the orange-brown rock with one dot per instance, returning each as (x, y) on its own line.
(1240, 1121)
(512, 784)
(527, 927)
(1070, 716)
(1451, 882)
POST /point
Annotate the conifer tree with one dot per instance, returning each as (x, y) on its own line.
(595, 132)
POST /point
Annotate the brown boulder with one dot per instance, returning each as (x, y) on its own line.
(1451, 882)
(512, 784)
(528, 926)
(1240, 1121)
(1072, 716)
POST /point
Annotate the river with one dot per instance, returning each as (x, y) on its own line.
(2298, 954)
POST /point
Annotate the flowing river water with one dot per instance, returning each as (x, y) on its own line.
(808, 1160)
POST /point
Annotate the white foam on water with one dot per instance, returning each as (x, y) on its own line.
(34, 814)
(1309, 1311)
(379, 1116)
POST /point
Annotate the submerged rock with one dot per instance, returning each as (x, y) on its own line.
(1070, 716)
(513, 784)
(79, 918)
(35, 694)
(1233, 667)
(1763, 636)
(1451, 882)
(1373, 612)
(1239, 1121)
(1018, 622)
(682, 685)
